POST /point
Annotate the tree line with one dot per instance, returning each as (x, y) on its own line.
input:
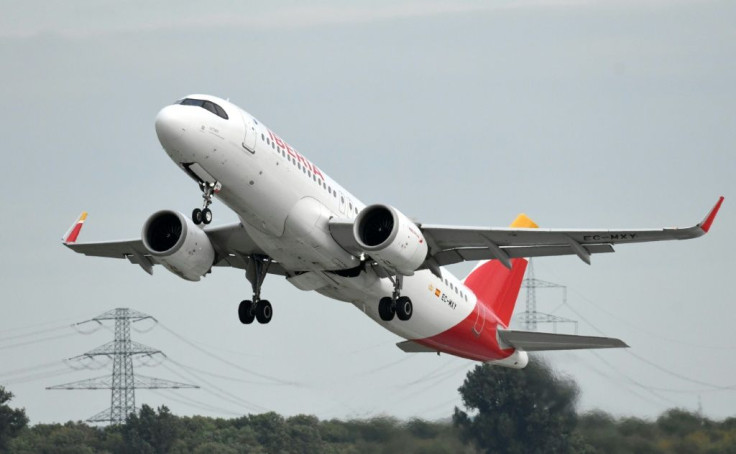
(505, 411)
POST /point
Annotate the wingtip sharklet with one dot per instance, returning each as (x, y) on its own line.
(710, 217)
(71, 236)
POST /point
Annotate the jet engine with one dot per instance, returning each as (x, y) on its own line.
(390, 238)
(178, 244)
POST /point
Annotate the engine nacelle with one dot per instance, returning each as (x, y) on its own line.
(178, 244)
(390, 238)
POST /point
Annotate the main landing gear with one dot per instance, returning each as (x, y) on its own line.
(204, 215)
(257, 309)
(395, 304)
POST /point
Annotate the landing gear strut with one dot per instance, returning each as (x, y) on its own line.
(257, 309)
(398, 305)
(204, 215)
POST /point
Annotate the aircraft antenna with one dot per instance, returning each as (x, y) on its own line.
(530, 317)
(123, 382)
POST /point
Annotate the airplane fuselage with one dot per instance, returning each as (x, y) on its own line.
(284, 202)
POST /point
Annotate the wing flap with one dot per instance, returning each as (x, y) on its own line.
(110, 249)
(532, 341)
(450, 256)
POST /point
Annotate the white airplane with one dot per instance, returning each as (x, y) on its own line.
(297, 222)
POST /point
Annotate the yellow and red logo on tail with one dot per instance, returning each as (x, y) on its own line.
(76, 228)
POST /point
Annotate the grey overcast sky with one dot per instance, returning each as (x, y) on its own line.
(580, 113)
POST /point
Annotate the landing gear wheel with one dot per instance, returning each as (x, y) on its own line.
(404, 308)
(386, 309)
(197, 216)
(264, 311)
(206, 215)
(246, 314)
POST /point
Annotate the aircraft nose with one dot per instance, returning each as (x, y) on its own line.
(169, 125)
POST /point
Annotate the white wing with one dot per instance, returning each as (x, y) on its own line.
(232, 246)
(453, 244)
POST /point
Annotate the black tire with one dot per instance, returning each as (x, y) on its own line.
(264, 312)
(404, 308)
(206, 215)
(197, 216)
(386, 309)
(246, 314)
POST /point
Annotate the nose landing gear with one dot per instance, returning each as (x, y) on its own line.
(204, 215)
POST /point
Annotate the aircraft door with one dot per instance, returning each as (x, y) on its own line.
(249, 137)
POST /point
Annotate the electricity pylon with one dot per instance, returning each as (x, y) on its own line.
(530, 317)
(123, 382)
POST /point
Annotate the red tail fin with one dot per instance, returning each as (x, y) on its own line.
(496, 286)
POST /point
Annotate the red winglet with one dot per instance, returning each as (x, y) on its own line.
(75, 229)
(705, 225)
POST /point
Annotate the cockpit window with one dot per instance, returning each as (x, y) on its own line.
(208, 105)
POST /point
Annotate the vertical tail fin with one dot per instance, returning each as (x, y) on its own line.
(496, 286)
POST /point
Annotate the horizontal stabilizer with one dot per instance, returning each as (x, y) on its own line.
(532, 341)
(414, 347)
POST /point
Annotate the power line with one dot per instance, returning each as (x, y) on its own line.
(224, 377)
(36, 341)
(36, 325)
(34, 333)
(37, 376)
(29, 369)
(648, 332)
(193, 402)
(219, 392)
(631, 380)
(657, 366)
(618, 383)
(223, 360)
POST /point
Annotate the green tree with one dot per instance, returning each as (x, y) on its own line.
(518, 411)
(151, 432)
(12, 420)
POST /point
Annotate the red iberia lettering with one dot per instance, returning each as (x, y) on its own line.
(295, 154)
